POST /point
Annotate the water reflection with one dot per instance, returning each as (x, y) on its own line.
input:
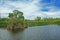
(49, 32)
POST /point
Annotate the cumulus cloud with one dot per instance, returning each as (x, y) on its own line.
(27, 8)
(30, 8)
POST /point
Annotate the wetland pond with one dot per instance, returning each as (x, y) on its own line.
(48, 32)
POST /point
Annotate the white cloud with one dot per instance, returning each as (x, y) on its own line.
(30, 9)
(4, 10)
(27, 8)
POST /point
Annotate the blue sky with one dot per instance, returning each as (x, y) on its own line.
(31, 8)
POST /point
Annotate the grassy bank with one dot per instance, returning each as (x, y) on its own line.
(41, 22)
(5, 21)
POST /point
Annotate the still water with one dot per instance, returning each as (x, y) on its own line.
(49, 32)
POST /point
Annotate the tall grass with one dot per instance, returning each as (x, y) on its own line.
(47, 21)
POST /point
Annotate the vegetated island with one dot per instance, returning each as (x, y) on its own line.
(16, 21)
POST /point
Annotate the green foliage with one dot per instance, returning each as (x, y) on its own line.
(38, 18)
(45, 21)
(57, 22)
(4, 22)
(10, 15)
(16, 17)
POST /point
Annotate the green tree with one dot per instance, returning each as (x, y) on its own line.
(38, 18)
(16, 17)
(10, 15)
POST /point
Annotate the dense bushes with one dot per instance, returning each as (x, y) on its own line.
(17, 17)
(37, 23)
(47, 21)
(4, 22)
(57, 22)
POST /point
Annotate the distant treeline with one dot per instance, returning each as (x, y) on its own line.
(17, 19)
(44, 21)
(37, 22)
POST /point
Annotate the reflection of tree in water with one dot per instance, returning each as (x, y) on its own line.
(15, 35)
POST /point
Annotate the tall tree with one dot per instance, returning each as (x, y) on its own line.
(16, 17)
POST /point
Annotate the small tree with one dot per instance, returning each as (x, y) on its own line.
(16, 18)
(38, 18)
